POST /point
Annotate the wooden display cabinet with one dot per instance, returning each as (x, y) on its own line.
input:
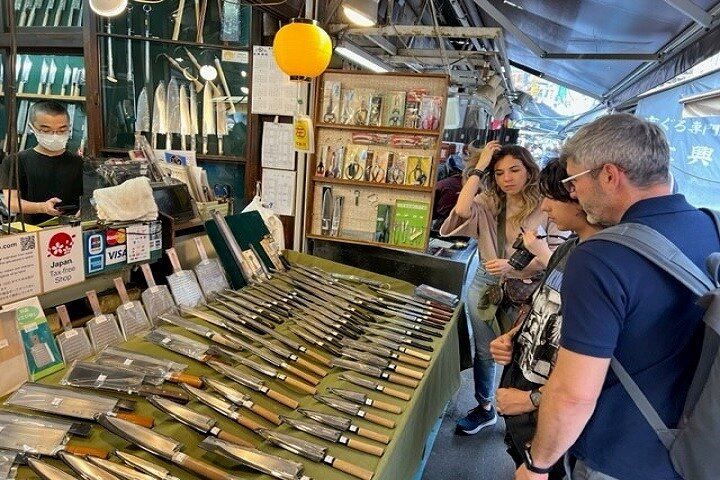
(374, 161)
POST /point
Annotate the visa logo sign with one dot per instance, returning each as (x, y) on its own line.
(115, 255)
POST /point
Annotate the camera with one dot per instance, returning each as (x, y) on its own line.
(522, 255)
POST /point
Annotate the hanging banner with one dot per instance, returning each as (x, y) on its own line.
(19, 268)
(61, 257)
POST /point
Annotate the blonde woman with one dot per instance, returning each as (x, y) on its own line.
(502, 190)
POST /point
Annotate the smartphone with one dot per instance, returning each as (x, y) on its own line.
(67, 208)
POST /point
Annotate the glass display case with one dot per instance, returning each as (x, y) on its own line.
(48, 13)
(182, 84)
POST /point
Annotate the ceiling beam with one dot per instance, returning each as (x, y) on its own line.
(693, 11)
(383, 43)
(418, 30)
(431, 52)
(510, 28)
(424, 60)
(650, 57)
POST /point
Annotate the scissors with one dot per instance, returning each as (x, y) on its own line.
(377, 173)
(395, 114)
(354, 171)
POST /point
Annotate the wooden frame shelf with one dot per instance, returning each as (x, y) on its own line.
(359, 183)
(218, 158)
(370, 128)
(363, 242)
(59, 98)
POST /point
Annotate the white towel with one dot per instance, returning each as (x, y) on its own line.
(132, 200)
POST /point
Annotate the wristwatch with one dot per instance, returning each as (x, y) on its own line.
(535, 396)
(528, 461)
(477, 172)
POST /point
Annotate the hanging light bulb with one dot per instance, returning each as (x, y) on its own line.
(208, 72)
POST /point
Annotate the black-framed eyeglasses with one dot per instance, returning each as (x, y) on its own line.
(569, 182)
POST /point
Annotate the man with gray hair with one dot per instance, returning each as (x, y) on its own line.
(47, 175)
(615, 303)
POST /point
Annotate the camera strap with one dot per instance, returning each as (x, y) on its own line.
(501, 234)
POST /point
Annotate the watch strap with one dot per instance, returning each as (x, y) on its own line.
(477, 173)
(527, 460)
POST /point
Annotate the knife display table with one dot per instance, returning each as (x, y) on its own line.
(402, 455)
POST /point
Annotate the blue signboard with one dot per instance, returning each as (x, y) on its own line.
(694, 141)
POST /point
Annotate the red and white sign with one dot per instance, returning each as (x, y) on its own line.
(61, 257)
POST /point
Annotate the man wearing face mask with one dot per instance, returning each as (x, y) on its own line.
(48, 174)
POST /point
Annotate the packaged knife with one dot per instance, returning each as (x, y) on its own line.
(7, 463)
(178, 343)
(156, 370)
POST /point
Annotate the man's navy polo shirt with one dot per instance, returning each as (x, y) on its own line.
(615, 302)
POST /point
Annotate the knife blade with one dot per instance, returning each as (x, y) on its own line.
(428, 304)
(223, 407)
(344, 424)
(197, 329)
(48, 8)
(352, 409)
(159, 113)
(74, 81)
(66, 79)
(312, 340)
(26, 128)
(31, 17)
(194, 125)
(371, 359)
(25, 73)
(47, 471)
(162, 446)
(142, 118)
(396, 337)
(23, 12)
(208, 116)
(363, 399)
(86, 469)
(419, 325)
(385, 353)
(51, 77)
(255, 459)
(241, 400)
(156, 370)
(173, 112)
(120, 470)
(58, 13)
(71, 402)
(332, 435)
(252, 383)
(202, 423)
(314, 452)
(403, 331)
(373, 371)
(221, 125)
(179, 344)
(320, 334)
(331, 332)
(74, 5)
(250, 304)
(398, 347)
(372, 385)
(143, 465)
(185, 121)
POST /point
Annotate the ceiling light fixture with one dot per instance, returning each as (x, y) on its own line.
(362, 13)
(362, 58)
(108, 8)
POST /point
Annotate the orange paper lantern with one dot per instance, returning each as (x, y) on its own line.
(302, 49)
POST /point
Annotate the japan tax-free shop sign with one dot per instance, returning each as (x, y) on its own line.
(19, 267)
(61, 257)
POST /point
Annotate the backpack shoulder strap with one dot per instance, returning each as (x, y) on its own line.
(656, 248)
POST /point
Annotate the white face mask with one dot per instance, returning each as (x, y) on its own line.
(53, 142)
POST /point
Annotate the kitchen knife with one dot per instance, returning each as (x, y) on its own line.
(119, 470)
(252, 383)
(385, 352)
(75, 82)
(352, 409)
(25, 74)
(67, 74)
(241, 400)
(74, 5)
(256, 460)
(344, 424)
(177, 21)
(130, 314)
(103, 377)
(142, 117)
(159, 114)
(162, 446)
(194, 125)
(396, 337)
(314, 452)
(46, 17)
(266, 370)
(208, 116)
(156, 370)
(185, 121)
(51, 76)
(197, 329)
(202, 423)
(224, 407)
(173, 112)
(373, 371)
(37, 4)
(221, 125)
(372, 385)
(58, 13)
(144, 466)
(156, 298)
(313, 340)
(310, 327)
(49, 441)
(370, 359)
(403, 331)
(71, 402)
(363, 399)
(385, 342)
(86, 469)
(332, 435)
(240, 300)
(431, 327)
(428, 304)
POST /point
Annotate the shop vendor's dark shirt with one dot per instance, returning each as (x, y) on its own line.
(42, 177)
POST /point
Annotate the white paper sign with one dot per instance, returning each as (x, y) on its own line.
(19, 267)
(273, 93)
(138, 242)
(278, 150)
(61, 257)
(278, 190)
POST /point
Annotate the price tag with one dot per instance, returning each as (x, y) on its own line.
(4, 343)
(71, 333)
(128, 361)
(56, 401)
